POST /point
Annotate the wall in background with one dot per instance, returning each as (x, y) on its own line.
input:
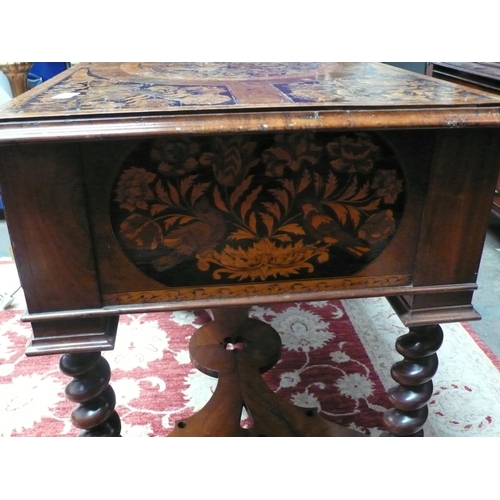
(417, 67)
(4, 88)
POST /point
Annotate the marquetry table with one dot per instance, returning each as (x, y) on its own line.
(140, 187)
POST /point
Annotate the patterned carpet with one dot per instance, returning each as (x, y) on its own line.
(336, 356)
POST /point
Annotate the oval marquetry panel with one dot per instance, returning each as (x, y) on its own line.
(229, 211)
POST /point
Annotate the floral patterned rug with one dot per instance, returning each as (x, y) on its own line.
(336, 356)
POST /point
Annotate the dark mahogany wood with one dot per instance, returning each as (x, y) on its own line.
(140, 187)
(477, 75)
(90, 388)
(414, 376)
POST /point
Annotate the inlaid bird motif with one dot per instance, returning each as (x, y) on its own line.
(197, 237)
(322, 227)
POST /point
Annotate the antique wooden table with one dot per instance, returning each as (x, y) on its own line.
(158, 187)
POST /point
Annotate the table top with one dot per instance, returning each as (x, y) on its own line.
(108, 99)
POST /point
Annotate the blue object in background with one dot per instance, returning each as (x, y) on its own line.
(43, 71)
(47, 70)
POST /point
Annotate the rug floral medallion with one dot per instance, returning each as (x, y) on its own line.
(256, 209)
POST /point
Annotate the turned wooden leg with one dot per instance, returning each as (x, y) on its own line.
(90, 388)
(414, 376)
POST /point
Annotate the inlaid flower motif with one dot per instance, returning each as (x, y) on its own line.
(230, 159)
(195, 94)
(210, 70)
(28, 399)
(133, 191)
(353, 154)
(312, 91)
(139, 343)
(141, 232)
(175, 157)
(355, 386)
(301, 330)
(378, 227)
(262, 260)
(292, 151)
(387, 185)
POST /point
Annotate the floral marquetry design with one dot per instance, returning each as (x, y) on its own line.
(264, 259)
(205, 211)
(85, 91)
(228, 70)
(165, 89)
(361, 87)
